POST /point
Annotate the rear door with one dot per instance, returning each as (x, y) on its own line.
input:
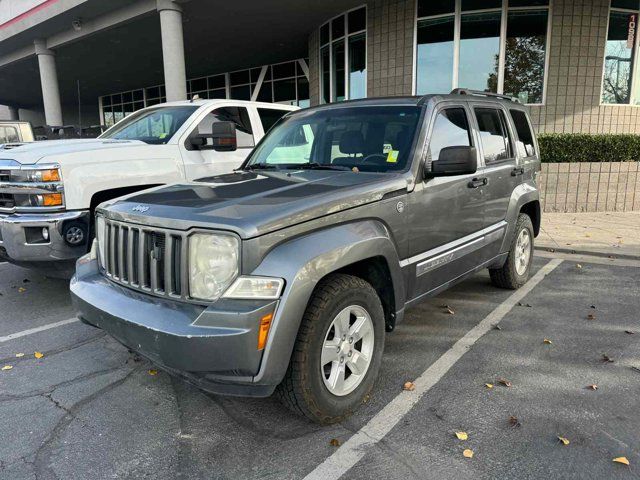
(205, 163)
(445, 213)
(500, 171)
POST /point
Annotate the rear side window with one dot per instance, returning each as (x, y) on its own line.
(492, 126)
(451, 129)
(269, 117)
(525, 143)
(237, 115)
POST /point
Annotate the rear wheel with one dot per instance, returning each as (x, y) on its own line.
(338, 350)
(515, 271)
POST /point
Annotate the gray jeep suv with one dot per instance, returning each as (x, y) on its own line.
(285, 275)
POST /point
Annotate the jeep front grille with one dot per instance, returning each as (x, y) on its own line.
(148, 259)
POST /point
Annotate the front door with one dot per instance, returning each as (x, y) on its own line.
(445, 213)
(206, 163)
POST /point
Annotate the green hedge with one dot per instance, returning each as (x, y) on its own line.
(579, 147)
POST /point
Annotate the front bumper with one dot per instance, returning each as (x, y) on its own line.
(213, 347)
(17, 246)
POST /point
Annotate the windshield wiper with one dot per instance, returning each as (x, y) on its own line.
(318, 166)
(259, 166)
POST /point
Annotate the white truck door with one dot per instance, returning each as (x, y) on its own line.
(206, 163)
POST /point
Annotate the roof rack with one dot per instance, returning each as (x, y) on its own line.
(479, 93)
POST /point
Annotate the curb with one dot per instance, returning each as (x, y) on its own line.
(588, 252)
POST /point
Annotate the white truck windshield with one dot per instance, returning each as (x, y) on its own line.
(155, 126)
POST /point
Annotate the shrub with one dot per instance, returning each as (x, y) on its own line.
(583, 147)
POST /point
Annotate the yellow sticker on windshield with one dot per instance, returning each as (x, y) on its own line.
(162, 135)
(392, 156)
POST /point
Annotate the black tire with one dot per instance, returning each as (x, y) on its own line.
(303, 390)
(507, 276)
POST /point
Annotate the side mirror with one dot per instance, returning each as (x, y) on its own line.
(455, 161)
(222, 138)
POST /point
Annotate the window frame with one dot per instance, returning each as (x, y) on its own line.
(504, 15)
(514, 157)
(635, 70)
(329, 45)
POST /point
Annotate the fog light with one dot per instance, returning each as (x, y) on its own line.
(45, 233)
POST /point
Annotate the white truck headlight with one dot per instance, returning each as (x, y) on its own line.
(259, 288)
(100, 237)
(213, 264)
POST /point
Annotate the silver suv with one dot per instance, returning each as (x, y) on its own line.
(285, 275)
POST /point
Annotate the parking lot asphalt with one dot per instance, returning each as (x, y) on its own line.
(90, 409)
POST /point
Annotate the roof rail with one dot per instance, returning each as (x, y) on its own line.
(479, 93)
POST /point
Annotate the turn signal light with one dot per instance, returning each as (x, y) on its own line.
(50, 175)
(52, 200)
(263, 332)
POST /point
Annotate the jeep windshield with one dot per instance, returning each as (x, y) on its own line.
(371, 139)
(154, 126)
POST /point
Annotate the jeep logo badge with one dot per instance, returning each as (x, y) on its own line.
(140, 208)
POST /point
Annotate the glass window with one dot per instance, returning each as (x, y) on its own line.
(324, 34)
(337, 27)
(238, 78)
(357, 66)
(435, 56)
(240, 93)
(525, 55)
(9, 135)
(325, 68)
(337, 71)
(357, 20)
(528, 3)
(284, 70)
(450, 129)
(238, 115)
(154, 126)
(525, 143)
(373, 139)
(303, 89)
(106, 101)
(269, 116)
(480, 4)
(479, 51)
(427, 8)
(618, 60)
(284, 90)
(628, 4)
(492, 126)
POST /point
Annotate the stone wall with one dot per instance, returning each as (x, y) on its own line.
(590, 187)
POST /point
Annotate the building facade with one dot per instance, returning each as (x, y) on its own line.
(575, 62)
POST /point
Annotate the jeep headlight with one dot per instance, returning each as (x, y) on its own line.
(213, 264)
(100, 237)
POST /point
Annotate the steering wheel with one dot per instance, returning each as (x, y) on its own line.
(374, 155)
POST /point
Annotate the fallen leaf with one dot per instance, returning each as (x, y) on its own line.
(497, 327)
(547, 341)
(468, 453)
(22, 290)
(591, 316)
(7, 367)
(607, 359)
(578, 266)
(551, 250)
(565, 441)
(38, 354)
(334, 442)
(450, 311)
(514, 422)
(592, 387)
(462, 435)
(504, 381)
(409, 386)
(622, 460)
(18, 355)
(630, 332)
(152, 372)
(488, 385)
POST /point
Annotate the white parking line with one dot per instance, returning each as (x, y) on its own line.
(352, 451)
(31, 331)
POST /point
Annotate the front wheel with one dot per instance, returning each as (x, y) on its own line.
(515, 271)
(338, 350)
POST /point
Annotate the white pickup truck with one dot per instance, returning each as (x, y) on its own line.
(48, 190)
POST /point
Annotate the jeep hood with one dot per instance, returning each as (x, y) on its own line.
(31, 153)
(254, 203)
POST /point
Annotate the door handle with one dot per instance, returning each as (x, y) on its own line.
(517, 171)
(478, 182)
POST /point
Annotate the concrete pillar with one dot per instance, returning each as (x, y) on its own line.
(49, 82)
(175, 78)
(14, 113)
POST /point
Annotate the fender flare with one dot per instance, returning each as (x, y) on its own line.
(303, 262)
(521, 195)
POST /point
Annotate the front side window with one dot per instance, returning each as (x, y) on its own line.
(370, 139)
(620, 53)
(480, 54)
(269, 117)
(237, 115)
(525, 143)
(450, 129)
(154, 126)
(343, 57)
(492, 126)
